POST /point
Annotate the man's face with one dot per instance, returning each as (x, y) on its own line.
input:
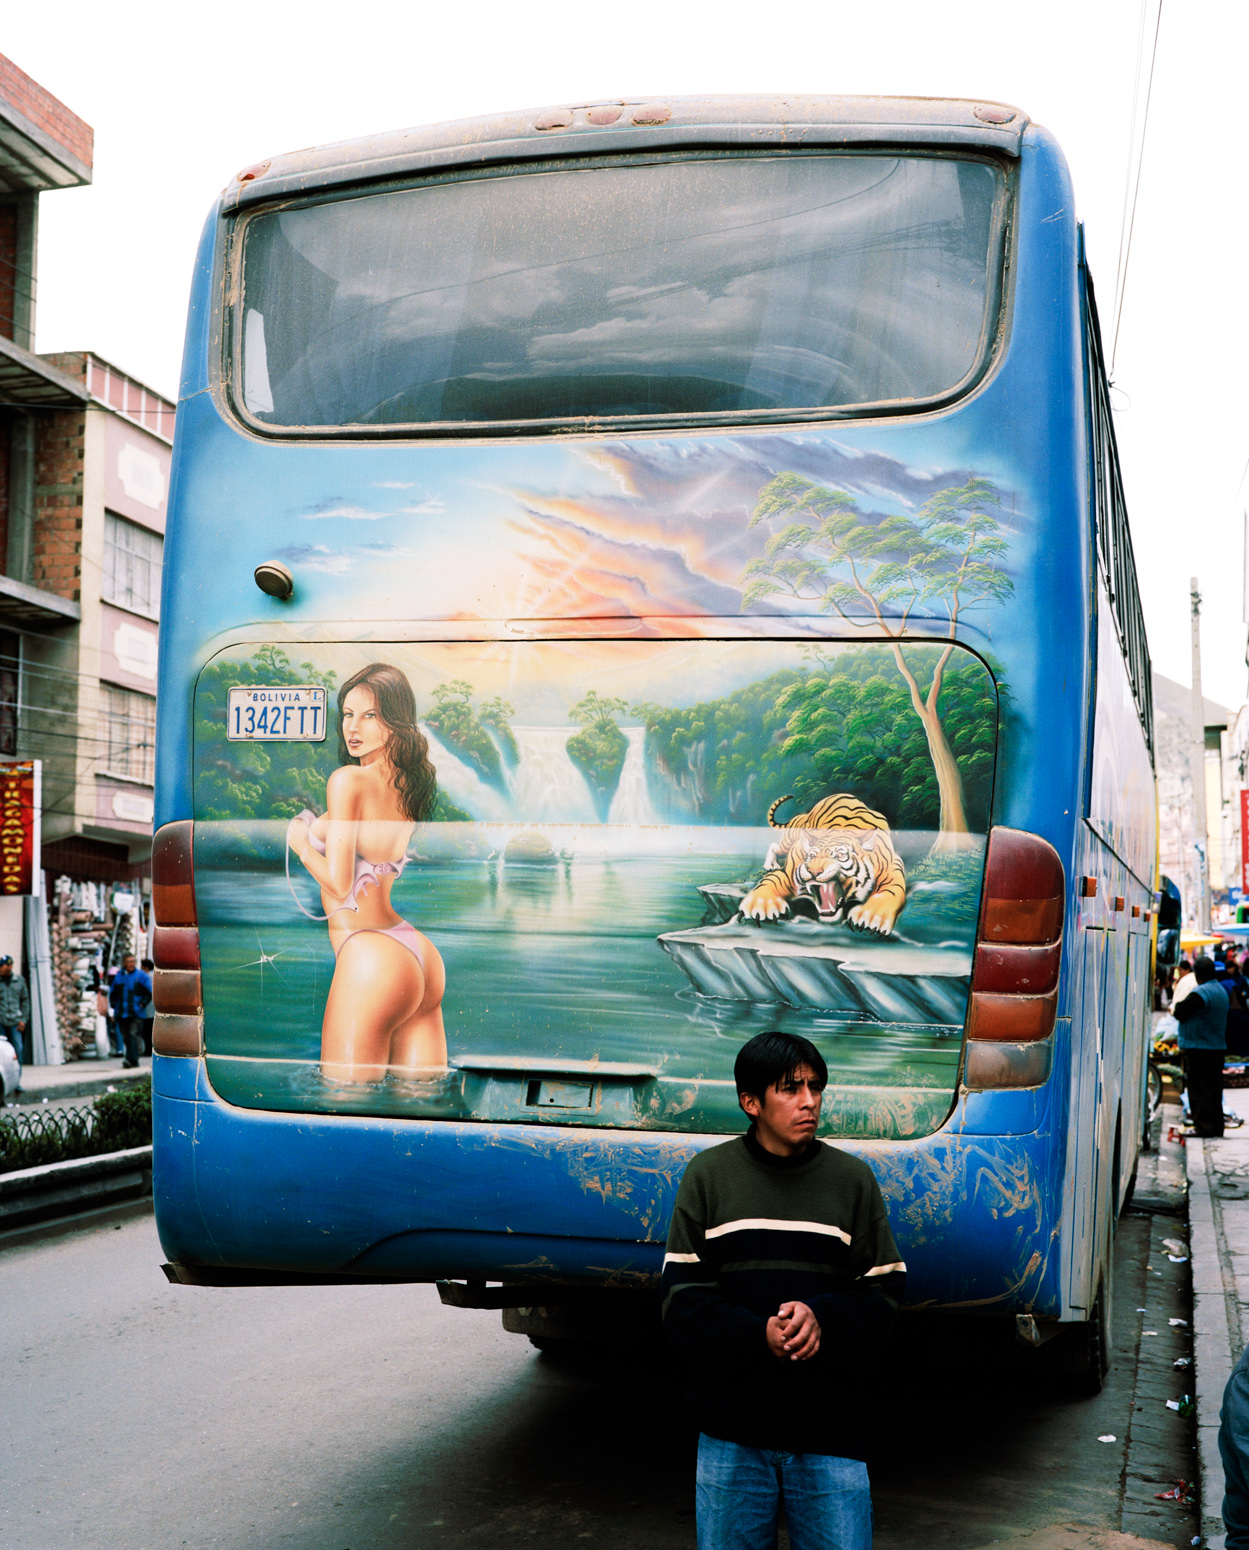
(127, 964)
(6, 971)
(788, 1113)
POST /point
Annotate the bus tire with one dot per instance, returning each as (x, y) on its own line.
(1080, 1355)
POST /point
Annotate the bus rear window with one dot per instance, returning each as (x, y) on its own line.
(756, 285)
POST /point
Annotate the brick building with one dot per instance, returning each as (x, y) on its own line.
(84, 464)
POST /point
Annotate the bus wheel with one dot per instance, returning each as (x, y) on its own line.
(1077, 1359)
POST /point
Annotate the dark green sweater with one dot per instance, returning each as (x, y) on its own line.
(750, 1231)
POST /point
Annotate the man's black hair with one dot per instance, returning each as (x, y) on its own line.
(1203, 968)
(771, 1058)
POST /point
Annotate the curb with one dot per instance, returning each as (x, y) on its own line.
(31, 1195)
(1212, 1341)
(84, 1087)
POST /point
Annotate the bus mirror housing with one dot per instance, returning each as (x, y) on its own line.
(1014, 998)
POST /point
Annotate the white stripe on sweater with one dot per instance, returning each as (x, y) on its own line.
(884, 1270)
(773, 1224)
(680, 1259)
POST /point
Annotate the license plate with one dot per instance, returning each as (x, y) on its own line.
(276, 715)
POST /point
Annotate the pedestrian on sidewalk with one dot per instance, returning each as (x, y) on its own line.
(1233, 982)
(1202, 1016)
(114, 1037)
(780, 1286)
(148, 967)
(15, 1010)
(130, 997)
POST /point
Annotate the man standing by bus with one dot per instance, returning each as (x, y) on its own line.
(1202, 1016)
(780, 1286)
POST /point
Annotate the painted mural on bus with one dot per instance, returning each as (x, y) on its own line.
(631, 853)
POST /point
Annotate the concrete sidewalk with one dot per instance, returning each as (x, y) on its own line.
(78, 1079)
(1218, 1216)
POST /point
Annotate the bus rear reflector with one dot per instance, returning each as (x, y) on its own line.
(1014, 999)
(173, 875)
(1011, 1019)
(177, 1035)
(176, 990)
(175, 947)
(1008, 1065)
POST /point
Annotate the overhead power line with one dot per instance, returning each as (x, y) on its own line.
(1136, 158)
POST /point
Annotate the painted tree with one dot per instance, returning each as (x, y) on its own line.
(453, 719)
(499, 714)
(883, 574)
(599, 748)
(841, 722)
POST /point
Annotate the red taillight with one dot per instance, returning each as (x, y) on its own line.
(175, 947)
(173, 875)
(176, 998)
(1031, 971)
(1014, 996)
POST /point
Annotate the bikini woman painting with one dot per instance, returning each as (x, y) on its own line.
(384, 1009)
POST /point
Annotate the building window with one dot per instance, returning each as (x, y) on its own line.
(130, 725)
(133, 557)
(10, 662)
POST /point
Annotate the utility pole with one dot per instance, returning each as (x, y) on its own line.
(1197, 760)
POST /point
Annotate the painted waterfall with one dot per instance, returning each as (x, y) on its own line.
(606, 817)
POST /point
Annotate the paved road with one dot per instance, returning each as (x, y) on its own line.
(144, 1416)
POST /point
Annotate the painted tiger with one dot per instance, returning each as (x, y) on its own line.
(839, 855)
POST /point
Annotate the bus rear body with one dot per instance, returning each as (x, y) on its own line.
(732, 482)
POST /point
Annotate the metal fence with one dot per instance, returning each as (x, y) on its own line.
(30, 1137)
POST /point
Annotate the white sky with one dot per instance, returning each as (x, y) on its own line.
(181, 97)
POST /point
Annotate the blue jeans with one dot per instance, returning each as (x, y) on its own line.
(17, 1040)
(828, 1504)
(131, 1030)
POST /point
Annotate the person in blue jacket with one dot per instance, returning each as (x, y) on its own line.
(1202, 1016)
(130, 997)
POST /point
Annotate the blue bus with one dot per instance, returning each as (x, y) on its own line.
(638, 574)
